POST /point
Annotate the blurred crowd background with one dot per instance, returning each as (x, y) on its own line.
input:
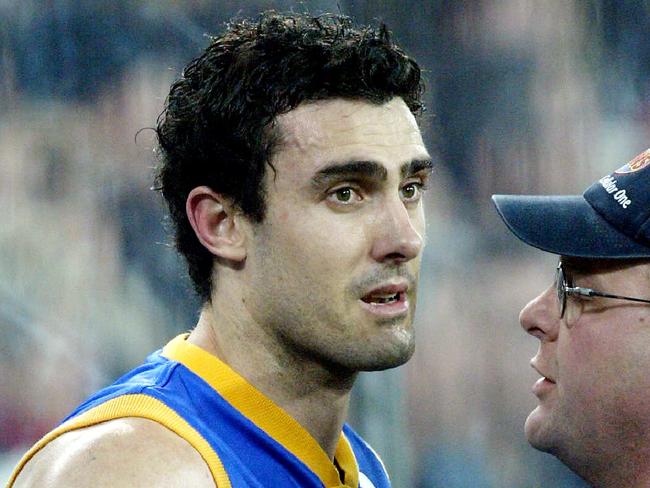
(523, 96)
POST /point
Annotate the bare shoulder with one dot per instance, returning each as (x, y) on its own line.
(123, 452)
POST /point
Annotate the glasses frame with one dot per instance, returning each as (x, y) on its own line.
(564, 289)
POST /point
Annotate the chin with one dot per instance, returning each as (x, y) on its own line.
(388, 358)
(539, 432)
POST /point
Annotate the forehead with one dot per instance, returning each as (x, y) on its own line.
(319, 133)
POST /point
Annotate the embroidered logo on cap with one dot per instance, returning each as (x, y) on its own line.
(639, 162)
(609, 184)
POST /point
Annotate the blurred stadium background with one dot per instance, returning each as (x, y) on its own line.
(523, 96)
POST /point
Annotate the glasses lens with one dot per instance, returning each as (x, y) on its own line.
(560, 287)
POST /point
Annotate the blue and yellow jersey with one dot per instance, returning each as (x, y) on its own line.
(245, 439)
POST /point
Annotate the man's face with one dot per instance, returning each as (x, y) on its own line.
(334, 265)
(594, 394)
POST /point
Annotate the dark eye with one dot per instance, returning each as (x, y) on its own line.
(345, 195)
(411, 191)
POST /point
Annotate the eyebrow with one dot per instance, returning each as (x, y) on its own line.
(416, 166)
(368, 170)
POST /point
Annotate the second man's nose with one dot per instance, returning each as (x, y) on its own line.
(540, 317)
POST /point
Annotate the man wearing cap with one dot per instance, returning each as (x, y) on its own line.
(593, 325)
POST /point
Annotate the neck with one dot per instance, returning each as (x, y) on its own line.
(625, 470)
(309, 392)
(617, 479)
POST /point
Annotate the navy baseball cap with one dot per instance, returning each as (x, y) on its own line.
(611, 219)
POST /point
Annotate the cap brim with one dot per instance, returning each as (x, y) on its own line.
(565, 225)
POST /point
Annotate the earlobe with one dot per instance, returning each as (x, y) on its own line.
(216, 223)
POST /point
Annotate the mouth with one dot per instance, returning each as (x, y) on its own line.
(387, 301)
(544, 384)
(534, 363)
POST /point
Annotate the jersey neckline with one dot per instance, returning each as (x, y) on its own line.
(265, 414)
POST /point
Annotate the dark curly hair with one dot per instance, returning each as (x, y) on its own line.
(217, 125)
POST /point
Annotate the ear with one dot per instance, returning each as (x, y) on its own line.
(216, 223)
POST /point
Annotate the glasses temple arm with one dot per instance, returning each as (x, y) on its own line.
(593, 293)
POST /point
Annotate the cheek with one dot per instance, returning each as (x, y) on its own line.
(584, 358)
(607, 359)
(317, 242)
(308, 259)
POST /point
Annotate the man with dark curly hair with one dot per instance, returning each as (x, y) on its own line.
(293, 167)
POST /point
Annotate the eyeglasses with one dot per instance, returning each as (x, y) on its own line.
(565, 288)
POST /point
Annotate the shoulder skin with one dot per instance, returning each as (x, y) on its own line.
(131, 452)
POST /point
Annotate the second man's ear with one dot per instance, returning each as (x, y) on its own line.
(216, 223)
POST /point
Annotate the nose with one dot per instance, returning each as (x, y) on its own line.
(397, 238)
(540, 317)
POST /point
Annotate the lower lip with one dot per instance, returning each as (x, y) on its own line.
(542, 386)
(388, 310)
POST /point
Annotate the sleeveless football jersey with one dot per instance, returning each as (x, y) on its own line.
(245, 439)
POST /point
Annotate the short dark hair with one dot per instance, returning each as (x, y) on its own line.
(217, 125)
